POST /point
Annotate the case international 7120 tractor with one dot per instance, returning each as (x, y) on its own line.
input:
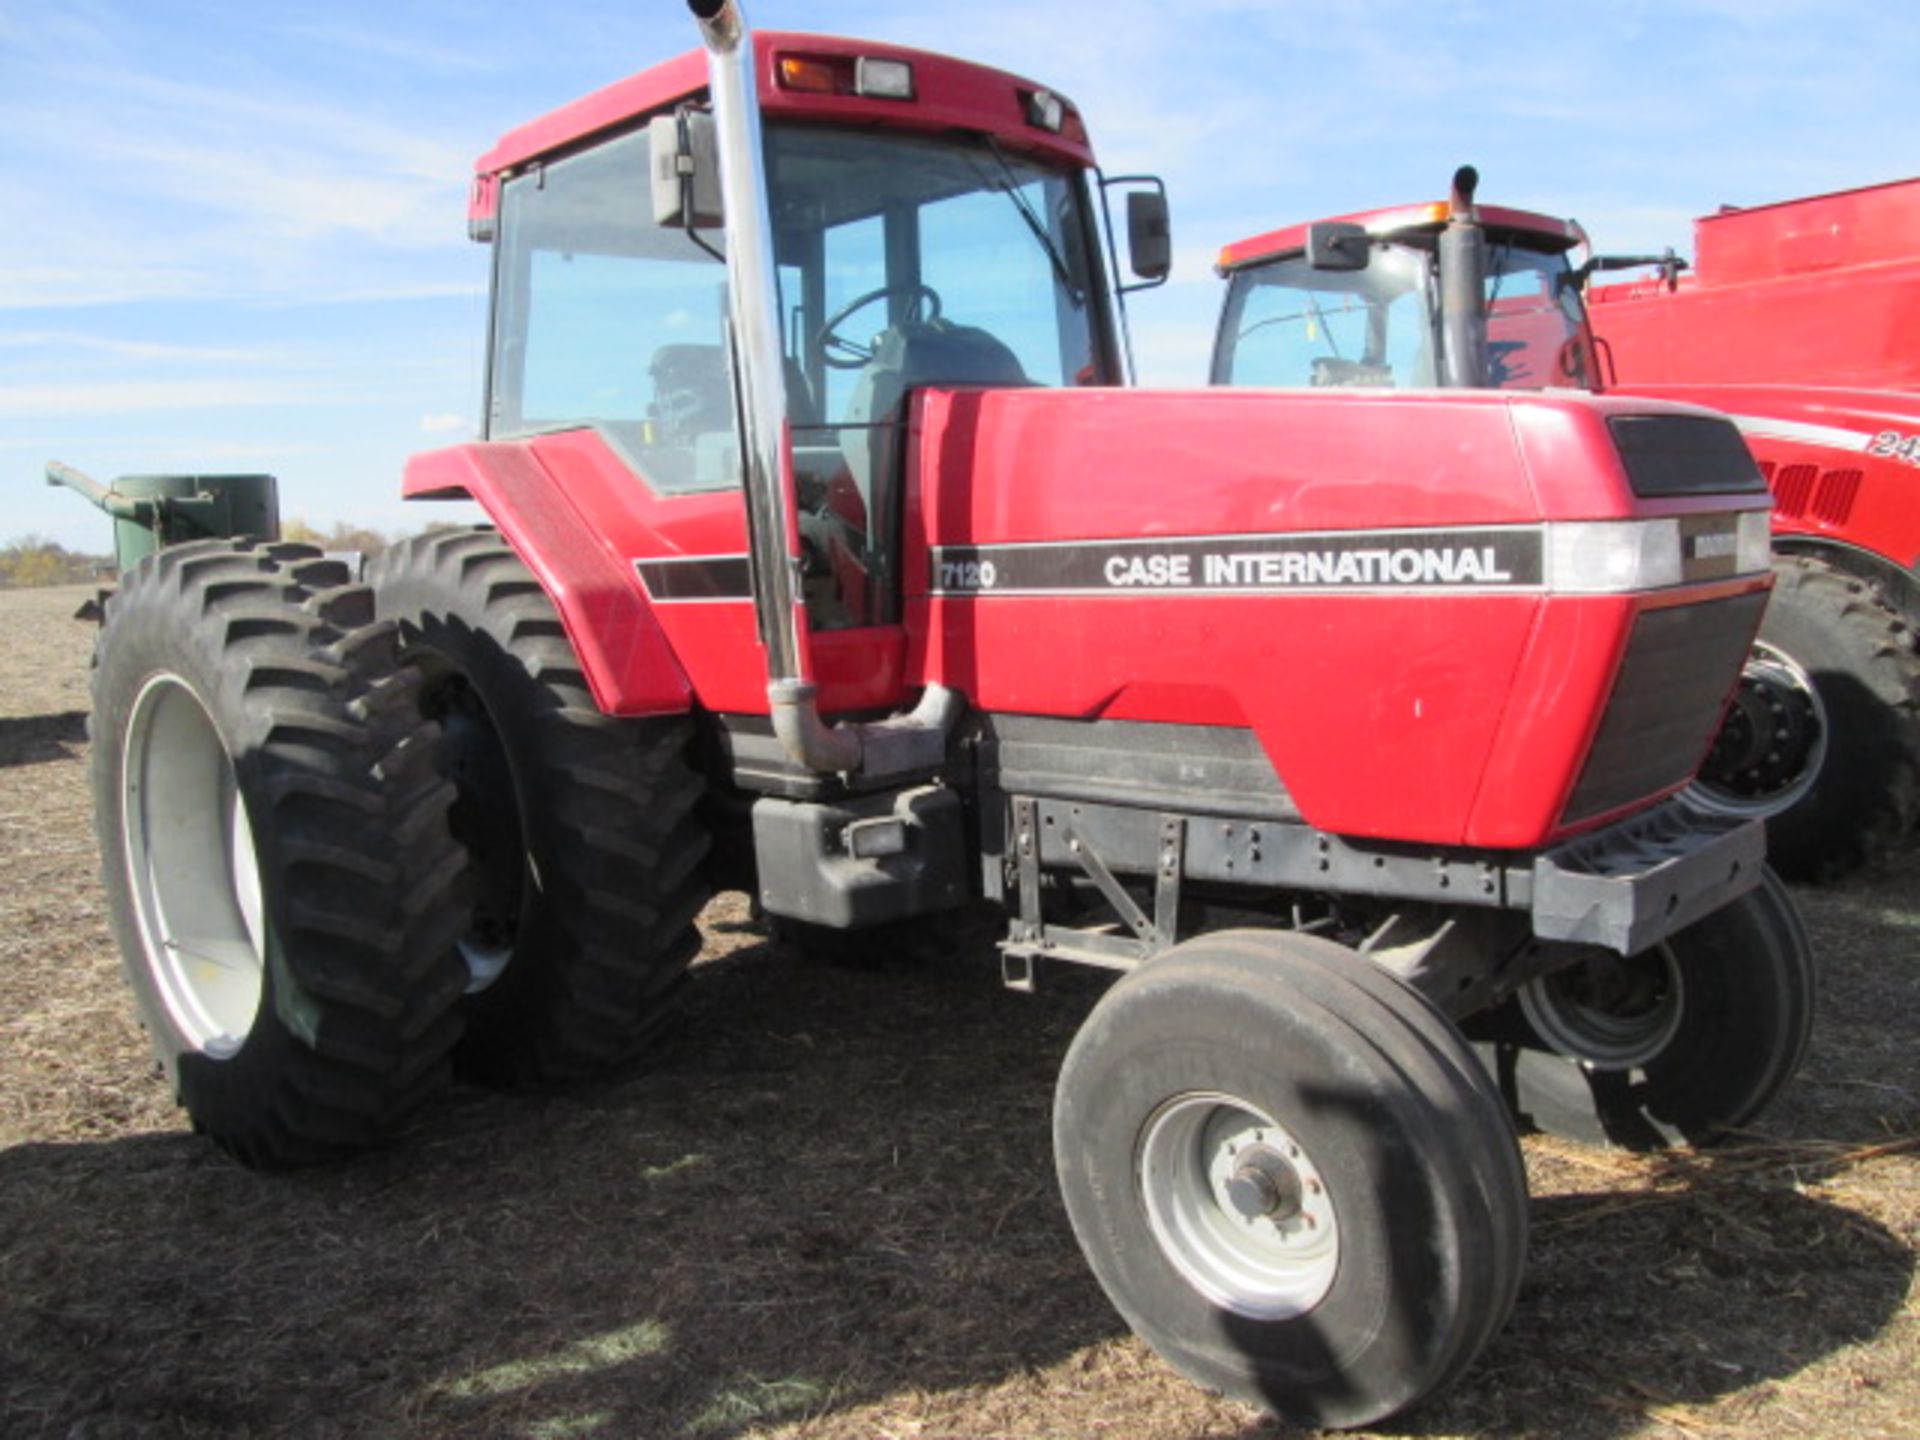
(831, 559)
(1823, 736)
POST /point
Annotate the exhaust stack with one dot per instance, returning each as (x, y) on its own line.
(904, 743)
(1463, 286)
(753, 315)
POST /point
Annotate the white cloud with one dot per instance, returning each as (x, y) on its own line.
(444, 424)
(57, 340)
(123, 397)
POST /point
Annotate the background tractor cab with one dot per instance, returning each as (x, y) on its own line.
(1383, 299)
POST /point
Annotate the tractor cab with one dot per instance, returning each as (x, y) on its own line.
(1359, 301)
(906, 250)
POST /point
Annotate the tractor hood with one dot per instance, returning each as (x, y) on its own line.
(1228, 557)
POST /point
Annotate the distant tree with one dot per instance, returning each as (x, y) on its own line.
(341, 536)
(35, 560)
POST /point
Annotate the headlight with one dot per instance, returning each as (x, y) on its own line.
(1754, 545)
(1611, 557)
(1615, 557)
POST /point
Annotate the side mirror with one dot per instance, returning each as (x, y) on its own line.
(1149, 230)
(684, 165)
(1149, 235)
(1337, 245)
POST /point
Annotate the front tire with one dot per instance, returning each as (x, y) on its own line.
(1682, 1044)
(582, 829)
(1290, 1176)
(274, 848)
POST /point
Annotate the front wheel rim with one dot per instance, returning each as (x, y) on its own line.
(192, 869)
(1271, 1266)
(1609, 1014)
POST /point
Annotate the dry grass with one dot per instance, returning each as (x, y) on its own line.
(826, 1209)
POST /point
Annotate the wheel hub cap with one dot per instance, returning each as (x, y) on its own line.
(1237, 1206)
(1264, 1184)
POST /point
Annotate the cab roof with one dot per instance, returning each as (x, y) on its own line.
(948, 94)
(1548, 231)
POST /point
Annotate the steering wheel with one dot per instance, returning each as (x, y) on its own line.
(844, 354)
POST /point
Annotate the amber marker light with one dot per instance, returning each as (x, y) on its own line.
(817, 77)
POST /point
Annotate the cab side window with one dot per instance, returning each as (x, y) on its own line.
(608, 321)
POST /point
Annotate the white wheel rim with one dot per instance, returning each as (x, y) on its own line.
(1266, 1267)
(1619, 1026)
(192, 869)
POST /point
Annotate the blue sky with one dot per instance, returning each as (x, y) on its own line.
(234, 234)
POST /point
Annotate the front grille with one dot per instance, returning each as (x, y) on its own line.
(1677, 673)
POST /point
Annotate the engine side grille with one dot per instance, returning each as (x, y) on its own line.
(1793, 487)
(1677, 673)
(1833, 501)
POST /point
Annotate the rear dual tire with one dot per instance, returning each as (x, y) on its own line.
(276, 861)
(1252, 1066)
(583, 829)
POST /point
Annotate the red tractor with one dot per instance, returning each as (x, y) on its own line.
(1823, 735)
(832, 560)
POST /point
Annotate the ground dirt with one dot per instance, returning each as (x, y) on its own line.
(826, 1209)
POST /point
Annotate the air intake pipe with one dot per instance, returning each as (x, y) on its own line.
(1463, 287)
(909, 742)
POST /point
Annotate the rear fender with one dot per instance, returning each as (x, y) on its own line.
(1897, 586)
(629, 663)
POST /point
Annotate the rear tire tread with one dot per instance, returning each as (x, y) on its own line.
(607, 805)
(355, 1030)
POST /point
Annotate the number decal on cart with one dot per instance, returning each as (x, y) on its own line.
(1894, 445)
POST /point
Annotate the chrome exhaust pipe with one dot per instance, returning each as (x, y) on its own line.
(905, 743)
(753, 315)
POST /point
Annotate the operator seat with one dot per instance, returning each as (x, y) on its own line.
(691, 394)
(923, 352)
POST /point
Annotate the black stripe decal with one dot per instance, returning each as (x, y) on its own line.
(696, 577)
(1472, 558)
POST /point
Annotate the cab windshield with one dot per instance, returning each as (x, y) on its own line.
(902, 261)
(1288, 324)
